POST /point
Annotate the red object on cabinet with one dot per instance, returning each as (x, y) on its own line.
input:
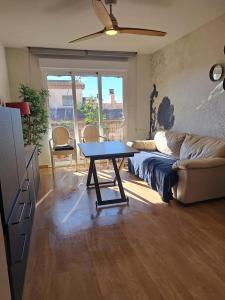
(23, 106)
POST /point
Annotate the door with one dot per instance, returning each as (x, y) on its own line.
(61, 104)
(61, 107)
(76, 100)
(87, 108)
(113, 120)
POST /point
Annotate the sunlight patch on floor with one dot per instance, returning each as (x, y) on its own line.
(63, 177)
(74, 207)
(104, 175)
(80, 173)
(136, 190)
(81, 182)
(44, 197)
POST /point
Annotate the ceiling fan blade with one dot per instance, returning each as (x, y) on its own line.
(102, 13)
(89, 36)
(141, 31)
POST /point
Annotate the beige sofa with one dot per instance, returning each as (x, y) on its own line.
(200, 165)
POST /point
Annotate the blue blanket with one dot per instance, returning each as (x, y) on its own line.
(156, 169)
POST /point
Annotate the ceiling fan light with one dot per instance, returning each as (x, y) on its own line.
(111, 32)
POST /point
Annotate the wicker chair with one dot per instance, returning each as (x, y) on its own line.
(91, 134)
(62, 144)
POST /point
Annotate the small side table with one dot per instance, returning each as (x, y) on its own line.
(106, 150)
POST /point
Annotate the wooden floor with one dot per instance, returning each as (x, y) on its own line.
(147, 250)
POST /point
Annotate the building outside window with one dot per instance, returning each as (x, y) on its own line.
(67, 100)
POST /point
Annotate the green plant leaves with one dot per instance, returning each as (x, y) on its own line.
(37, 125)
(90, 111)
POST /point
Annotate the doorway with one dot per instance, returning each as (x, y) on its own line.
(76, 100)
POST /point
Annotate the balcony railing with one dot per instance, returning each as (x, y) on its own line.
(112, 129)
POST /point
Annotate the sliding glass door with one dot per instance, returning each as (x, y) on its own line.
(76, 100)
(87, 102)
(61, 104)
(113, 120)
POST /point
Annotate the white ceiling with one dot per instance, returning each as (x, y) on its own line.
(52, 23)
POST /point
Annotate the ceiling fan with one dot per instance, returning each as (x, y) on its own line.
(110, 23)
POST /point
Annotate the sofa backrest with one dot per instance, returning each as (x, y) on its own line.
(195, 146)
(169, 142)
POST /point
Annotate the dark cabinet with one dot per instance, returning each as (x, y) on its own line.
(8, 163)
(32, 170)
(30, 175)
(19, 181)
(19, 146)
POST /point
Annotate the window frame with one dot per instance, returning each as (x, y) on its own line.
(80, 72)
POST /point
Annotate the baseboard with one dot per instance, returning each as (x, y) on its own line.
(43, 166)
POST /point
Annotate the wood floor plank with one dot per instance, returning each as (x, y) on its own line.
(117, 276)
(147, 250)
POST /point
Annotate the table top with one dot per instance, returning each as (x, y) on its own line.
(111, 149)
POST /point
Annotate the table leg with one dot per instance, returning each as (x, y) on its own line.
(90, 172)
(118, 179)
(120, 168)
(97, 184)
(97, 188)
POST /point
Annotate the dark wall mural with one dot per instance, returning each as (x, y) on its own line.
(164, 117)
(153, 112)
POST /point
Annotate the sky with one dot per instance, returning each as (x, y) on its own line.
(91, 86)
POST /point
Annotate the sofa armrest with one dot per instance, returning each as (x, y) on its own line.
(198, 163)
(143, 145)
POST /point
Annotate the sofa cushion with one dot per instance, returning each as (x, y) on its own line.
(148, 145)
(169, 142)
(195, 146)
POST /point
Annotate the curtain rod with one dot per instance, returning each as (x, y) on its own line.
(80, 54)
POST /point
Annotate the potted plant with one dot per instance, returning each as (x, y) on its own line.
(36, 125)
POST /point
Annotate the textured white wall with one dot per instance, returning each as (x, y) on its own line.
(24, 68)
(181, 72)
(143, 92)
(4, 85)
